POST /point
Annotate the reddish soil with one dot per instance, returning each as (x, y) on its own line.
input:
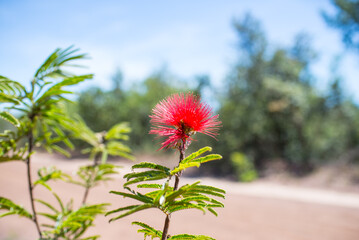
(252, 211)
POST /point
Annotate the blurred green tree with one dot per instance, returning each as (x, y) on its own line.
(270, 108)
(346, 19)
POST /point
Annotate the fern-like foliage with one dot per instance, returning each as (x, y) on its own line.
(190, 196)
(149, 231)
(194, 160)
(69, 223)
(10, 118)
(12, 208)
(92, 175)
(101, 145)
(66, 222)
(166, 198)
(10, 87)
(190, 237)
(10, 148)
(53, 65)
(41, 105)
(43, 122)
(104, 143)
(10, 93)
(46, 174)
(156, 172)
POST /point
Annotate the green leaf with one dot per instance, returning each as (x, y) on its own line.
(160, 175)
(92, 175)
(50, 173)
(196, 154)
(183, 166)
(104, 156)
(184, 206)
(133, 210)
(172, 196)
(56, 89)
(213, 211)
(61, 150)
(195, 162)
(190, 237)
(147, 185)
(48, 226)
(197, 191)
(47, 205)
(207, 190)
(151, 166)
(59, 201)
(81, 131)
(121, 209)
(150, 174)
(6, 98)
(116, 148)
(91, 237)
(202, 201)
(74, 222)
(98, 140)
(118, 131)
(11, 87)
(52, 217)
(138, 196)
(210, 157)
(148, 231)
(10, 118)
(10, 158)
(52, 67)
(12, 208)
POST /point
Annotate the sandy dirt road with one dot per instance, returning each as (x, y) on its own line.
(256, 211)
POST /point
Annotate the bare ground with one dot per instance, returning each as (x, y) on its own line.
(256, 211)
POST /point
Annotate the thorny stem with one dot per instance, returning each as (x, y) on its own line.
(31, 187)
(89, 184)
(175, 187)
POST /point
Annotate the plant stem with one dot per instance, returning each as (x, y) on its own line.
(166, 226)
(88, 186)
(85, 194)
(177, 178)
(28, 163)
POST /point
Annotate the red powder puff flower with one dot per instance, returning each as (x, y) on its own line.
(180, 116)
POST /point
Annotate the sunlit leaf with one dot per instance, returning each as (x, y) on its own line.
(6, 98)
(148, 231)
(151, 166)
(190, 237)
(139, 197)
(118, 131)
(10, 118)
(133, 210)
(12, 208)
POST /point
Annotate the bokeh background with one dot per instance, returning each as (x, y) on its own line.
(282, 75)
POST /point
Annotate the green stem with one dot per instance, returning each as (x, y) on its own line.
(177, 179)
(91, 179)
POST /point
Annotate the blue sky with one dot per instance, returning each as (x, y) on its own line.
(140, 37)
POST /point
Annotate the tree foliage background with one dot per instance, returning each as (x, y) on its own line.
(268, 103)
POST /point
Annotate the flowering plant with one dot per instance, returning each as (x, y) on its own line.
(177, 119)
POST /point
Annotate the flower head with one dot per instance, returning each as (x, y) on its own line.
(180, 116)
